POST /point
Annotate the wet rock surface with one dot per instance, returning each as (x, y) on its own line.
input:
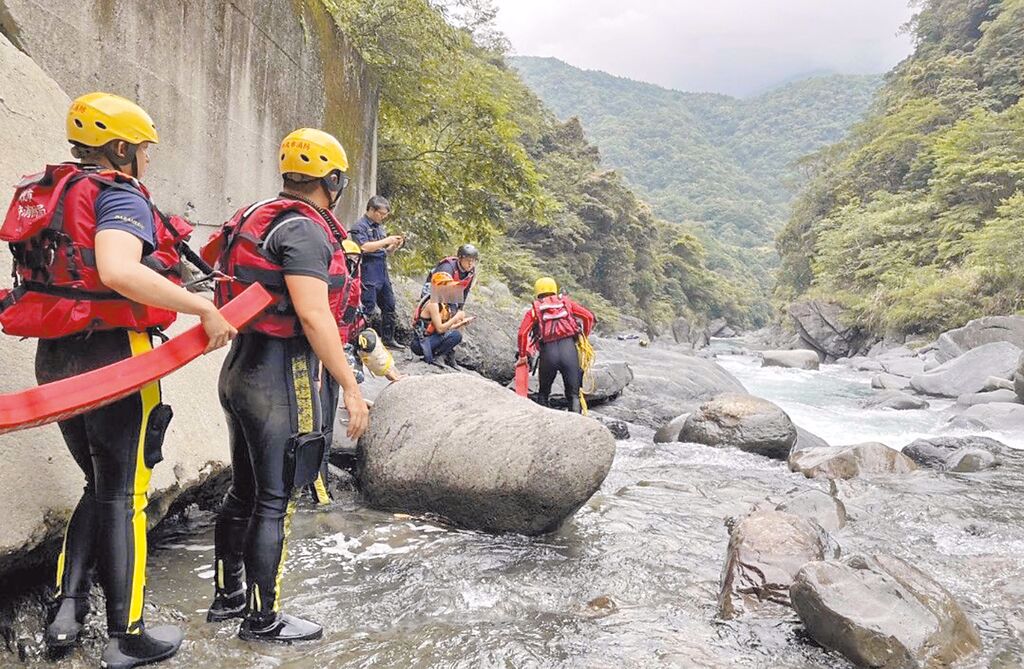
(958, 454)
(790, 359)
(847, 462)
(823, 328)
(479, 456)
(880, 611)
(895, 400)
(993, 417)
(766, 550)
(742, 421)
(666, 382)
(988, 330)
(969, 372)
(823, 508)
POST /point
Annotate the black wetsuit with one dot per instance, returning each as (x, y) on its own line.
(108, 527)
(116, 448)
(560, 356)
(268, 389)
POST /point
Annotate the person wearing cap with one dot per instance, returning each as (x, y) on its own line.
(435, 325)
(377, 245)
(293, 245)
(97, 298)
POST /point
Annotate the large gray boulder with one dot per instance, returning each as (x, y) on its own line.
(989, 397)
(801, 359)
(806, 440)
(995, 417)
(669, 432)
(987, 330)
(885, 381)
(766, 550)
(847, 462)
(996, 383)
(817, 505)
(902, 366)
(742, 421)
(958, 454)
(687, 334)
(969, 372)
(895, 400)
(881, 612)
(822, 326)
(479, 456)
(1018, 379)
(666, 383)
(605, 382)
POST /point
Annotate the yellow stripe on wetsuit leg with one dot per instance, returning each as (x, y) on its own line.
(304, 423)
(140, 343)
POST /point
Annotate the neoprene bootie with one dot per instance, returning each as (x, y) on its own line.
(282, 628)
(575, 405)
(136, 650)
(67, 622)
(226, 605)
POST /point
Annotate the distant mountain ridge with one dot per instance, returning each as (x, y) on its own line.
(723, 162)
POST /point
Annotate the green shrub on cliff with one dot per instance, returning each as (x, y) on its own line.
(467, 152)
(914, 222)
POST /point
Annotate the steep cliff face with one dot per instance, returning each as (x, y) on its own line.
(224, 82)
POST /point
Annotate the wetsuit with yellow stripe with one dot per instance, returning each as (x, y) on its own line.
(116, 448)
(269, 392)
(110, 445)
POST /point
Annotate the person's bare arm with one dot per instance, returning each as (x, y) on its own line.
(119, 263)
(380, 244)
(309, 297)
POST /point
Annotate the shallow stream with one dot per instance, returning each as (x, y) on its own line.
(632, 579)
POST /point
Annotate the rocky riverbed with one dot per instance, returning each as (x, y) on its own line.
(633, 579)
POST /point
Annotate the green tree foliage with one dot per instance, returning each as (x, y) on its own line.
(468, 153)
(725, 165)
(913, 220)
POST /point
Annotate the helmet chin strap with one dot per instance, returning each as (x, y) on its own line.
(131, 157)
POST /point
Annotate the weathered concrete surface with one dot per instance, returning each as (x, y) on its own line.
(224, 82)
(480, 456)
(215, 89)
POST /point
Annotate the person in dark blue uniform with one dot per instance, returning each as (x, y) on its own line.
(376, 244)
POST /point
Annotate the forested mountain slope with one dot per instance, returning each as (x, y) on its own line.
(713, 159)
(915, 221)
(468, 153)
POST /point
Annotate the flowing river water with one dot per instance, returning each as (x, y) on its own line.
(632, 579)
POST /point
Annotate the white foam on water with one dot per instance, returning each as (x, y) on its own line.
(828, 403)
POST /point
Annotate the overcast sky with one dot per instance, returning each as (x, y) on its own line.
(727, 46)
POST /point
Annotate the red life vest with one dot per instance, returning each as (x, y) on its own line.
(555, 319)
(51, 228)
(237, 250)
(352, 321)
(465, 279)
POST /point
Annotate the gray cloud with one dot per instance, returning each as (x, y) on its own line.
(728, 46)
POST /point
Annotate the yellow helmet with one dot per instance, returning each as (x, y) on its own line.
(97, 118)
(351, 248)
(545, 285)
(442, 279)
(313, 153)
